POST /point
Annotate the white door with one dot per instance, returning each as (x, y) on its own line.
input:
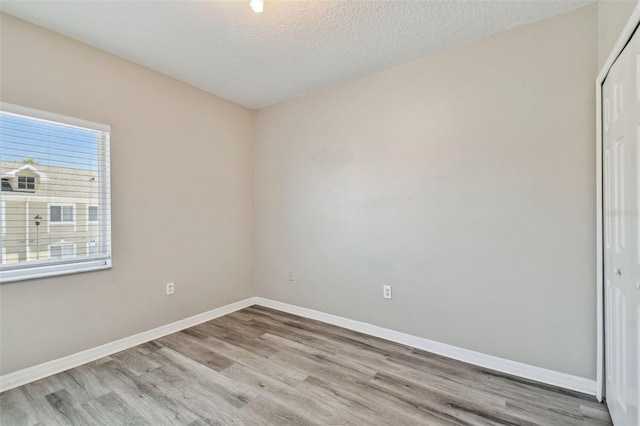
(621, 158)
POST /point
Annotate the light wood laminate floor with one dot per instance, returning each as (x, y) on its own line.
(263, 367)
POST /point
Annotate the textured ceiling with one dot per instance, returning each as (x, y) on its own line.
(291, 49)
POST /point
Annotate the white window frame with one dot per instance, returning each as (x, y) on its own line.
(48, 267)
(35, 184)
(62, 222)
(61, 244)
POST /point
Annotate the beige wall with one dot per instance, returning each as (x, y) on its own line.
(612, 17)
(182, 199)
(464, 179)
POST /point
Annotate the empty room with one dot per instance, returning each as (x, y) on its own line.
(265, 212)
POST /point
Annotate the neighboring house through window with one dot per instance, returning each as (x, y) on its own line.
(56, 175)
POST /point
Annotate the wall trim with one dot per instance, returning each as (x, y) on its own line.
(539, 374)
(543, 375)
(40, 371)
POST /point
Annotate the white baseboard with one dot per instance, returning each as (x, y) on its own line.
(514, 368)
(543, 375)
(31, 374)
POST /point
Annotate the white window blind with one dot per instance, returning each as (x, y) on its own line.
(55, 182)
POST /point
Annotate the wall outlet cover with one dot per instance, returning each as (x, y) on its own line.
(170, 289)
(386, 291)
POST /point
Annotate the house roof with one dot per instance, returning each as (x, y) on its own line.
(55, 181)
(13, 173)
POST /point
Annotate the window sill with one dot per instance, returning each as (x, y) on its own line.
(52, 270)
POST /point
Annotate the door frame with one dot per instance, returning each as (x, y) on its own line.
(625, 36)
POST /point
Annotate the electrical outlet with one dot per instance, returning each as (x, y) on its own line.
(170, 289)
(386, 291)
(290, 276)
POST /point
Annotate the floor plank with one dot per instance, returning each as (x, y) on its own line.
(260, 366)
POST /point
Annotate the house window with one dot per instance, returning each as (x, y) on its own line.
(62, 250)
(6, 185)
(27, 182)
(92, 214)
(61, 214)
(67, 160)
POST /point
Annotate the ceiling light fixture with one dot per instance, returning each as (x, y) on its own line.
(257, 5)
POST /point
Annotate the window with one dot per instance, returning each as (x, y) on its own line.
(61, 214)
(6, 185)
(92, 214)
(27, 182)
(64, 163)
(91, 218)
(62, 250)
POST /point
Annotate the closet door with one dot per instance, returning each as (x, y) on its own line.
(621, 157)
